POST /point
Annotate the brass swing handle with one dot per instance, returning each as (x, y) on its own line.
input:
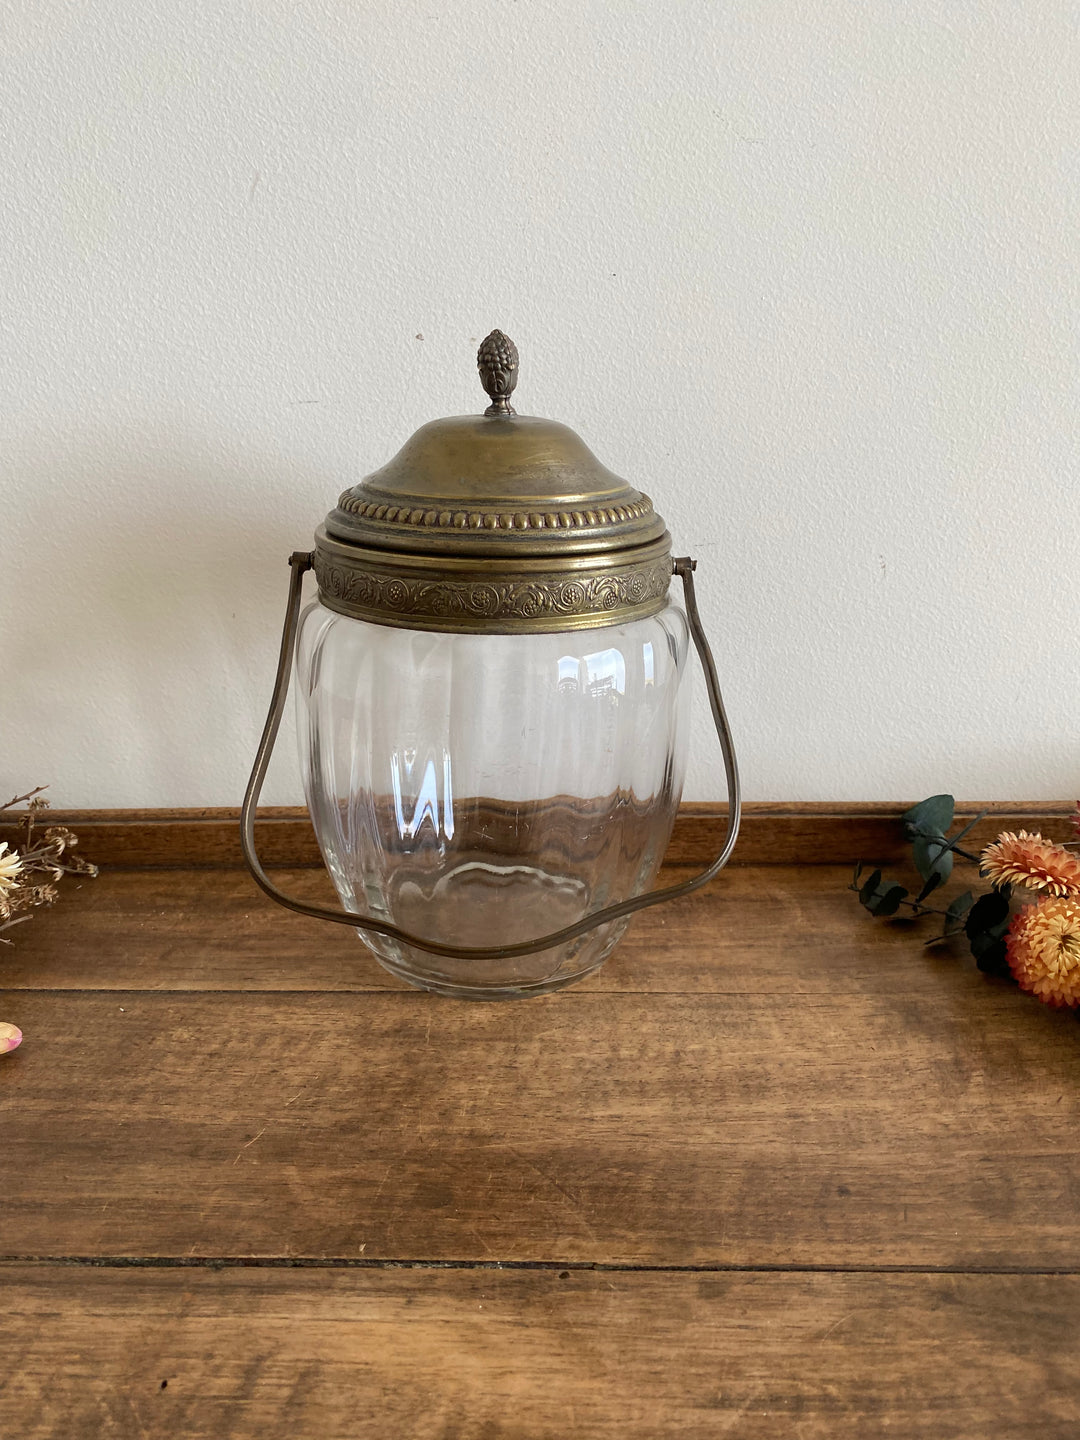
(301, 562)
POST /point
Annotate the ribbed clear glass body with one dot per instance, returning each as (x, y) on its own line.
(483, 790)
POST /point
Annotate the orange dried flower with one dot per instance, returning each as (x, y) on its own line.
(1043, 947)
(1033, 862)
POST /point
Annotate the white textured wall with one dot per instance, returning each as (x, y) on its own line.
(806, 272)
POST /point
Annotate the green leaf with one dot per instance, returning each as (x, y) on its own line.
(935, 879)
(989, 947)
(985, 926)
(888, 902)
(932, 857)
(929, 817)
(994, 959)
(987, 913)
(958, 909)
(870, 888)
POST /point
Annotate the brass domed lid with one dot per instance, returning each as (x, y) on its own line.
(497, 521)
(494, 484)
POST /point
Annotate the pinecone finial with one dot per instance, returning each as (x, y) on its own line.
(497, 361)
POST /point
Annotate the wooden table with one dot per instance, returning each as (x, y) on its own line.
(774, 1171)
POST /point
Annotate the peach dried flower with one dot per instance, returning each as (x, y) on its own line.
(1032, 862)
(1043, 948)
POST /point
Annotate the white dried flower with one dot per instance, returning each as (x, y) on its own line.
(10, 866)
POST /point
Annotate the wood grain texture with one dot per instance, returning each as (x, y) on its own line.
(939, 1128)
(772, 833)
(256, 1355)
(787, 930)
(762, 1081)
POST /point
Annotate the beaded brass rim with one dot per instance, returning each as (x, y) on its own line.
(375, 506)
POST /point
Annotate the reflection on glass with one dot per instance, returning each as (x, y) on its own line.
(427, 804)
(486, 789)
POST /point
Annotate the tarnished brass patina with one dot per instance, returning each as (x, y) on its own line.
(497, 361)
(497, 522)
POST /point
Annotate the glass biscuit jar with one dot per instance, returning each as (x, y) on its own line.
(491, 699)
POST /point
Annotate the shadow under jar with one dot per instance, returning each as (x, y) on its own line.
(491, 700)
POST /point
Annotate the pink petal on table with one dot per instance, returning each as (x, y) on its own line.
(10, 1037)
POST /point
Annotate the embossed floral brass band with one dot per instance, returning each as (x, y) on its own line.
(451, 593)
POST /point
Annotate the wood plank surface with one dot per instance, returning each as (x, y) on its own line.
(783, 833)
(490, 1355)
(831, 1180)
(789, 930)
(933, 1128)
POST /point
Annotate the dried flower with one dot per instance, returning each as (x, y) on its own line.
(41, 894)
(41, 855)
(1032, 862)
(10, 866)
(1043, 946)
(19, 894)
